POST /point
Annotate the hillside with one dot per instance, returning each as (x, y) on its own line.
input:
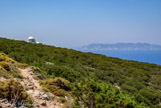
(95, 81)
(20, 86)
(122, 46)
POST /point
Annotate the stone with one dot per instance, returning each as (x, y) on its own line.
(29, 84)
(45, 97)
(37, 106)
(8, 105)
(66, 97)
(30, 87)
(31, 73)
(2, 79)
(49, 63)
(41, 93)
(43, 103)
(4, 100)
(22, 107)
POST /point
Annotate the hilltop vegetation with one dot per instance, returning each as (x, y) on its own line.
(95, 80)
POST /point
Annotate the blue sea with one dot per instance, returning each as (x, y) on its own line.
(153, 56)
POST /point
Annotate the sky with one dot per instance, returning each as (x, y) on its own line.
(75, 23)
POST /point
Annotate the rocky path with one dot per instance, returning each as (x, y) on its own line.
(41, 99)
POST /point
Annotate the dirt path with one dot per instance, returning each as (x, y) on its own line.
(41, 100)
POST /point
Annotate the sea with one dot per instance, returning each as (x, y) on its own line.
(148, 56)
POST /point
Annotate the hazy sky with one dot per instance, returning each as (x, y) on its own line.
(72, 23)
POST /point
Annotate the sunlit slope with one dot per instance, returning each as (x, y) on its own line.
(141, 80)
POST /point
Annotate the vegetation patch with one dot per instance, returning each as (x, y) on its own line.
(13, 91)
(8, 67)
(5, 65)
(102, 95)
(57, 86)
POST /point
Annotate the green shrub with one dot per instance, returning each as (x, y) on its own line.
(60, 92)
(13, 91)
(59, 83)
(35, 69)
(2, 58)
(62, 100)
(3, 73)
(5, 65)
(57, 86)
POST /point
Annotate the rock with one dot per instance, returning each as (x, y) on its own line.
(27, 78)
(49, 63)
(8, 105)
(57, 97)
(4, 101)
(66, 97)
(31, 87)
(45, 97)
(29, 84)
(22, 107)
(37, 106)
(2, 79)
(41, 93)
(31, 73)
(37, 93)
(43, 103)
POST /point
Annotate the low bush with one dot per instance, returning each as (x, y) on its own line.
(57, 86)
(5, 65)
(61, 92)
(13, 91)
(2, 58)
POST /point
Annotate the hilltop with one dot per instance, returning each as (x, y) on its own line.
(91, 80)
(122, 46)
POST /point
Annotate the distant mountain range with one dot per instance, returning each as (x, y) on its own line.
(122, 46)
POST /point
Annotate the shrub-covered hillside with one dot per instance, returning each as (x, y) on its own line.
(11, 90)
(97, 80)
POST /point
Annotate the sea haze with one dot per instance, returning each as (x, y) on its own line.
(142, 52)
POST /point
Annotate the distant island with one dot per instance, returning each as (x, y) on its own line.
(122, 46)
